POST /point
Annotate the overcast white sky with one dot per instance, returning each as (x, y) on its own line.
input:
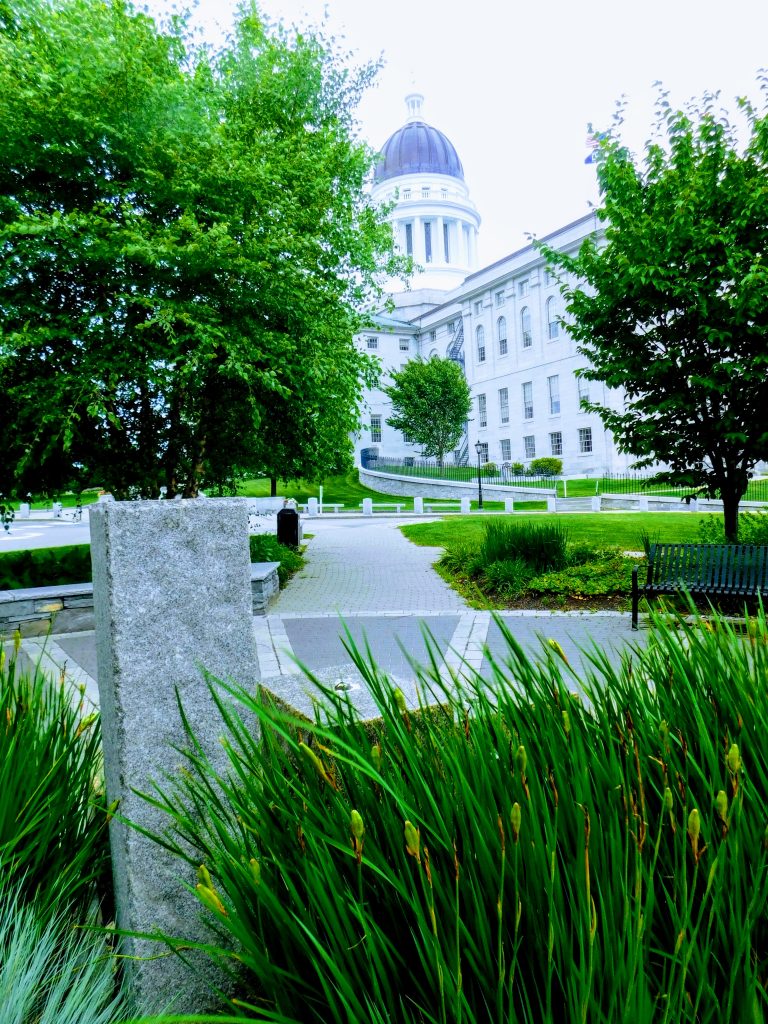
(513, 83)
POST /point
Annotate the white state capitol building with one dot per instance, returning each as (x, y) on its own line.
(499, 322)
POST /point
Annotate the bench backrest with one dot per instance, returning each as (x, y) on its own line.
(709, 566)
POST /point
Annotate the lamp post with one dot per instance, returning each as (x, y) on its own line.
(478, 449)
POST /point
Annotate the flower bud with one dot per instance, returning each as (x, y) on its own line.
(721, 805)
(668, 800)
(356, 825)
(734, 759)
(516, 818)
(255, 869)
(204, 877)
(400, 700)
(521, 759)
(412, 840)
(376, 756)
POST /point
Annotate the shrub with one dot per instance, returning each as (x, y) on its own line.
(490, 469)
(53, 828)
(45, 567)
(542, 545)
(517, 469)
(462, 558)
(50, 973)
(515, 854)
(547, 467)
(753, 529)
(265, 547)
(608, 575)
(508, 579)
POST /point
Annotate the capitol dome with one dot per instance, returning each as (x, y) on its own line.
(420, 177)
(417, 148)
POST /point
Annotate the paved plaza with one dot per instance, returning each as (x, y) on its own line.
(363, 581)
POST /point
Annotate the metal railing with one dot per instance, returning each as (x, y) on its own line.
(451, 472)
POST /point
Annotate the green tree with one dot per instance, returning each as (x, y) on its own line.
(430, 403)
(185, 243)
(673, 306)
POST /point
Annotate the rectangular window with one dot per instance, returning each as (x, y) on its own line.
(503, 349)
(504, 405)
(407, 438)
(549, 277)
(446, 243)
(529, 446)
(376, 429)
(553, 388)
(583, 388)
(585, 440)
(500, 298)
(482, 411)
(428, 241)
(483, 452)
(479, 307)
(433, 335)
(372, 342)
(451, 326)
(528, 400)
(523, 288)
(425, 192)
(404, 344)
(409, 239)
(506, 449)
(556, 443)
(406, 193)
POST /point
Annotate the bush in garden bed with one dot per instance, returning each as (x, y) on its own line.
(45, 567)
(520, 854)
(265, 547)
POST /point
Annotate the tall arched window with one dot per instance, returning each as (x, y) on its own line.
(501, 333)
(525, 327)
(552, 325)
(480, 336)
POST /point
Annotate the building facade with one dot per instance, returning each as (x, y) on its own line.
(500, 322)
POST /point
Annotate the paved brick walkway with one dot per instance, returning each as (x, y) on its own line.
(365, 577)
(360, 567)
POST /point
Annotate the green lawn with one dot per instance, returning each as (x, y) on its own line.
(603, 529)
(346, 489)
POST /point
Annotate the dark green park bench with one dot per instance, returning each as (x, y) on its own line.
(703, 570)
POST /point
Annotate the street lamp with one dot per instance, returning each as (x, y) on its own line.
(478, 448)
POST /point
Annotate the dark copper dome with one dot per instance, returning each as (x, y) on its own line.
(417, 148)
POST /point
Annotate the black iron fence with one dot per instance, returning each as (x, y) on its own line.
(636, 483)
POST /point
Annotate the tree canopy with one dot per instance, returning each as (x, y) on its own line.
(185, 248)
(430, 404)
(673, 307)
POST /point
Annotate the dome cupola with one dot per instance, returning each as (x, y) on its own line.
(417, 148)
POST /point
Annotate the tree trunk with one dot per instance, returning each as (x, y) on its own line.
(273, 487)
(730, 515)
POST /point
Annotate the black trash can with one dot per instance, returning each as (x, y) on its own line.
(288, 527)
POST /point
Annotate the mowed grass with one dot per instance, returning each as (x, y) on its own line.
(600, 529)
(345, 489)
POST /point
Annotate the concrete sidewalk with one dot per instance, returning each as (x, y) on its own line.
(366, 578)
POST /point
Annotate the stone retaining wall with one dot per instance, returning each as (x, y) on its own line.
(70, 607)
(418, 486)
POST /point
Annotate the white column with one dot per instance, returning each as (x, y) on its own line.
(440, 252)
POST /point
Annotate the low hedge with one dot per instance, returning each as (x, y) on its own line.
(45, 567)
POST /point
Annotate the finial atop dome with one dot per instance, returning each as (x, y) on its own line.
(414, 102)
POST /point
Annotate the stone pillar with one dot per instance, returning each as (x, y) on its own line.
(312, 507)
(24, 510)
(367, 506)
(509, 504)
(172, 598)
(57, 509)
(418, 506)
(551, 503)
(642, 504)
(596, 503)
(464, 503)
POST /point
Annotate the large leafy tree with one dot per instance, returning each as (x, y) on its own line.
(430, 404)
(185, 243)
(673, 306)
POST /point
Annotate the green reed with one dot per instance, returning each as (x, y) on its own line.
(509, 851)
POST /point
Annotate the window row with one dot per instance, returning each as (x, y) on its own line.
(555, 444)
(526, 399)
(526, 333)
